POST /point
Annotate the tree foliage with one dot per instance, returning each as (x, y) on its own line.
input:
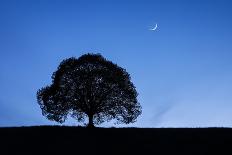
(92, 87)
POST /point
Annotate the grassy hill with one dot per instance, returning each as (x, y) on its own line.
(78, 140)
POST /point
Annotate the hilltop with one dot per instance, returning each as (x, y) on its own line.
(79, 140)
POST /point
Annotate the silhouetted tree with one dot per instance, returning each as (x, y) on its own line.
(92, 87)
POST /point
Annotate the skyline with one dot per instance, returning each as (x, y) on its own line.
(182, 70)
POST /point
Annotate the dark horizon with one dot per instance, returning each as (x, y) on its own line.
(70, 140)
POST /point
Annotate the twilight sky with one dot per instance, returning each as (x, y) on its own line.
(182, 71)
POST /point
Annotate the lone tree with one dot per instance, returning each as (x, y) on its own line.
(92, 87)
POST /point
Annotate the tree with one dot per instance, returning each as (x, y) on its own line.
(92, 87)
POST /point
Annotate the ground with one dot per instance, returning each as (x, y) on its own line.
(80, 140)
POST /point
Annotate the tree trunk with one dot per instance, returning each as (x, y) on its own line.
(90, 125)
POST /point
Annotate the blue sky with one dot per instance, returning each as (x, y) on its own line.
(182, 71)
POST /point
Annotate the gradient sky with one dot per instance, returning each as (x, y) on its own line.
(182, 71)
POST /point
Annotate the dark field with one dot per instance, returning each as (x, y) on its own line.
(78, 140)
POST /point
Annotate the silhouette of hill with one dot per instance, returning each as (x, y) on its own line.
(79, 140)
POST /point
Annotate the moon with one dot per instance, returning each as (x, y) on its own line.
(154, 28)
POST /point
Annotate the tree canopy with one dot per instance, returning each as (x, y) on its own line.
(90, 87)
